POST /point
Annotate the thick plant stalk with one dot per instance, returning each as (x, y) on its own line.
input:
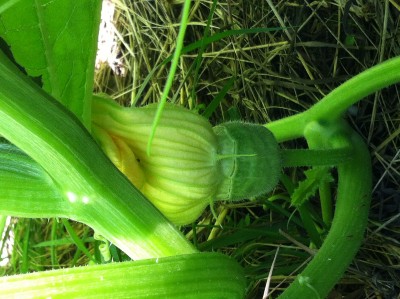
(177, 277)
(26, 190)
(96, 192)
(349, 222)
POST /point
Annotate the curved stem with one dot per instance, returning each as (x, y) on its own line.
(348, 226)
(335, 104)
(354, 189)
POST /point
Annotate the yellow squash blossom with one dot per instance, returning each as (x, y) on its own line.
(191, 163)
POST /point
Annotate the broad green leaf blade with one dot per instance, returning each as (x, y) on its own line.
(57, 41)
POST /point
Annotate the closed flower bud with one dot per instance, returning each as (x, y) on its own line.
(181, 175)
(191, 164)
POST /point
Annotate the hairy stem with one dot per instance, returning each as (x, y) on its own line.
(335, 104)
(349, 222)
(315, 157)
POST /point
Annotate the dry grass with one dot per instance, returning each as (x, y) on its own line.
(319, 45)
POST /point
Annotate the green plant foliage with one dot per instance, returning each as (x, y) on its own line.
(308, 187)
(56, 40)
(49, 133)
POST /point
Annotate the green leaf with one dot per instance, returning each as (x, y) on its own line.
(57, 41)
(218, 99)
(307, 188)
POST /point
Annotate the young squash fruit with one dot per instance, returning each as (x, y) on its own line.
(191, 164)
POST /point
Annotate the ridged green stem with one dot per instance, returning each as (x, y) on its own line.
(349, 222)
(315, 157)
(96, 192)
(319, 124)
(335, 104)
(201, 275)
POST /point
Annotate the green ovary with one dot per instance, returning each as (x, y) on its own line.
(181, 175)
(249, 159)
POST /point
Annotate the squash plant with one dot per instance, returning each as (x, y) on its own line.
(74, 155)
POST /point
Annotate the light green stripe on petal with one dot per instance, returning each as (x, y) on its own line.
(181, 174)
